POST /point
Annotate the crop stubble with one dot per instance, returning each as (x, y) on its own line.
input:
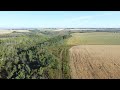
(95, 62)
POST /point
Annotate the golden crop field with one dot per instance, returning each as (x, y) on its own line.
(95, 62)
(95, 55)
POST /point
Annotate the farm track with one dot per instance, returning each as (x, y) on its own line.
(95, 62)
(65, 72)
(61, 58)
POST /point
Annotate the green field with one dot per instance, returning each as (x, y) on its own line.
(94, 38)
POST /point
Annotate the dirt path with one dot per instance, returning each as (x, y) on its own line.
(95, 62)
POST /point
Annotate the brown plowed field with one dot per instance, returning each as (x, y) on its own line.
(95, 62)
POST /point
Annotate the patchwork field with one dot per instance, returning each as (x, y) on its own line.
(95, 55)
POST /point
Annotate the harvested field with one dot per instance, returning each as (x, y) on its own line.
(10, 31)
(95, 62)
(5, 32)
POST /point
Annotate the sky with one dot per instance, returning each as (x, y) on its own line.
(60, 19)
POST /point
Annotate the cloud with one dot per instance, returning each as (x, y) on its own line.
(81, 18)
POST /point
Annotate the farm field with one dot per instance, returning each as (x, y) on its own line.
(5, 32)
(10, 31)
(95, 55)
(94, 38)
(95, 62)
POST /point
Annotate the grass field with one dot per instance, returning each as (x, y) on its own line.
(94, 38)
(95, 55)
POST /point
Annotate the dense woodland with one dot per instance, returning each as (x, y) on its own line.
(34, 55)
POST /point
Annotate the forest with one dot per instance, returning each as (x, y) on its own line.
(34, 55)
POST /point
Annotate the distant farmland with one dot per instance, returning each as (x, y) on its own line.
(10, 31)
